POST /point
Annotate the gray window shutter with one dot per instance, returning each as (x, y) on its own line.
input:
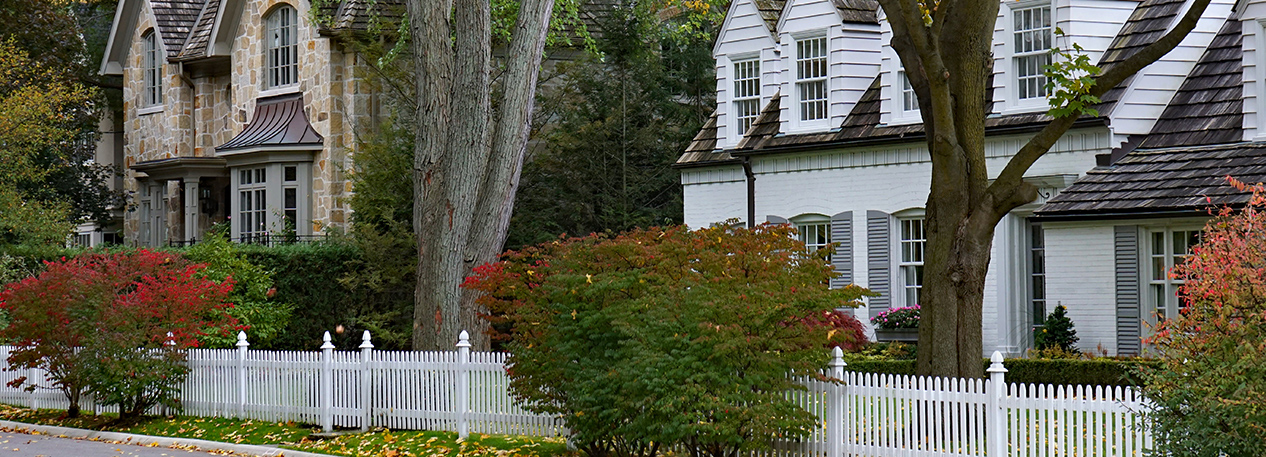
(1126, 240)
(879, 260)
(842, 237)
(772, 219)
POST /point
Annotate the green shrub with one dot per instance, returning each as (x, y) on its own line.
(659, 338)
(1057, 332)
(262, 318)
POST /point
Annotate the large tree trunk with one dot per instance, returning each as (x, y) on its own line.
(464, 184)
(946, 54)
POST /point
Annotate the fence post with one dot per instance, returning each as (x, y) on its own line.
(327, 384)
(33, 377)
(995, 417)
(242, 345)
(463, 383)
(836, 427)
(366, 356)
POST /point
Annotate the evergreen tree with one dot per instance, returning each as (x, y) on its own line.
(1057, 332)
(613, 127)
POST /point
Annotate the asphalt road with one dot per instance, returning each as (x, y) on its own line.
(22, 445)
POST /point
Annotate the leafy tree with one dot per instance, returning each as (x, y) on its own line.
(1208, 394)
(1057, 332)
(611, 132)
(115, 325)
(665, 337)
(947, 51)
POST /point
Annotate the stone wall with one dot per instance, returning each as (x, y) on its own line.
(201, 112)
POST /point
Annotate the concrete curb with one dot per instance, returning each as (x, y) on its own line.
(156, 441)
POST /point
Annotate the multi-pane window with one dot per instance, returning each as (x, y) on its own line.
(811, 78)
(746, 93)
(281, 48)
(913, 242)
(290, 198)
(815, 235)
(1033, 38)
(1037, 274)
(152, 70)
(253, 200)
(1167, 249)
(908, 100)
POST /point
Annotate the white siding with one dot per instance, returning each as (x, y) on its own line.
(713, 194)
(744, 34)
(1080, 275)
(853, 60)
(1156, 84)
(889, 179)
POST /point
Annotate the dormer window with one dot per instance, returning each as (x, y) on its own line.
(908, 100)
(811, 78)
(1033, 38)
(281, 53)
(746, 94)
(152, 70)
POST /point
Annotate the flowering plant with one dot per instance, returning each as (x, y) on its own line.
(907, 317)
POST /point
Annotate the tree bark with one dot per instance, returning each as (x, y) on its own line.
(948, 63)
(464, 184)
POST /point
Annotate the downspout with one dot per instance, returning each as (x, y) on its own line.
(751, 192)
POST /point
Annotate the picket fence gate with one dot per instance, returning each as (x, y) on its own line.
(864, 414)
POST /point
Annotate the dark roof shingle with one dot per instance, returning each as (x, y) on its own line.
(196, 45)
(1209, 106)
(175, 19)
(703, 148)
(1165, 181)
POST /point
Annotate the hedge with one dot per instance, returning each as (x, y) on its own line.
(323, 280)
(1102, 372)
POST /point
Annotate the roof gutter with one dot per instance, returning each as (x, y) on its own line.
(1105, 216)
(1004, 130)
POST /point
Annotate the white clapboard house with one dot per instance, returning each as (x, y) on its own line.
(814, 127)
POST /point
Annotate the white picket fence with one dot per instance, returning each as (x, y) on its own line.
(864, 415)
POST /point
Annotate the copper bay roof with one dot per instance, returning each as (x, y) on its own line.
(279, 122)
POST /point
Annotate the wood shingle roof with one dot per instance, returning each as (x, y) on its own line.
(1149, 21)
(1182, 165)
(174, 20)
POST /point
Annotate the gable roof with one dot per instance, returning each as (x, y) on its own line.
(1182, 165)
(858, 11)
(862, 124)
(174, 19)
(196, 44)
(771, 11)
(703, 148)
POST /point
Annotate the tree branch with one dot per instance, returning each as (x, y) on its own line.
(1005, 190)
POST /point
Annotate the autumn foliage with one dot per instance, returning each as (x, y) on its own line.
(115, 325)
(1210, 392)
(668, 337)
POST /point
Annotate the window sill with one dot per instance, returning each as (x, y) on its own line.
(1028, 107)
(149, 110)
(283, 90)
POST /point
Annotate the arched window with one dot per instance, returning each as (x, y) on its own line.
(281, 53)
(152, 69)
(814, 231)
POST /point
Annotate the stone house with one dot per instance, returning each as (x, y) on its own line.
(816, 127)
(236, 111)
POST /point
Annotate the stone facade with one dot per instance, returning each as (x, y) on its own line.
(209, 101)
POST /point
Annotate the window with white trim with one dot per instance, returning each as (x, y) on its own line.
(913, 240)
(1167, 248)
(811, 68)
(290, 199)
(281, 52)
(252, 213)
(151, 70)
(814, 230)
(909, 102)
(1037, 275)
(1033, 36)
(746, 94)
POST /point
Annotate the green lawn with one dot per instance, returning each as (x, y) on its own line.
(383, 443)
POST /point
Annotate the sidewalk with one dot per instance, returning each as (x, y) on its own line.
(155, 441)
